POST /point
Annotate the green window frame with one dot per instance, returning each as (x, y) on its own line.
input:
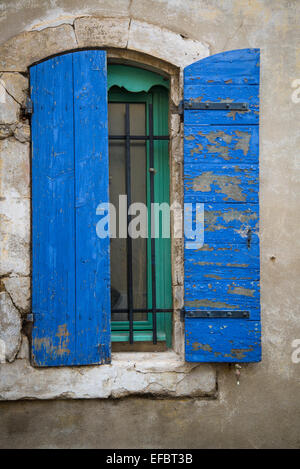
(124, 85)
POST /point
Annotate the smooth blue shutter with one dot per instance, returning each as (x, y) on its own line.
(221, 157)
(70, 264)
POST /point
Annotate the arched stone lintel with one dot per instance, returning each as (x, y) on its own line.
(29, 47)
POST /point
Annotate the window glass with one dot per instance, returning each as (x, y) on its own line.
(137, 170)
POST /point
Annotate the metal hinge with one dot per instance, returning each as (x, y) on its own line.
(193, 106)
(180, 108)
(214, 314)
(27, 110)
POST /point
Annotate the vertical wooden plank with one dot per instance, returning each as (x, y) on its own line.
(53, 255)
(91, 189)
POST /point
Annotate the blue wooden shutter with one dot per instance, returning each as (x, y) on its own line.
(221, 172)
(70, 264)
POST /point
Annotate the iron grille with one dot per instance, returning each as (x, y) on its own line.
(150, 138)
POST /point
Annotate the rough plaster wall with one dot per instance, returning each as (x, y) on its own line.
(264, 410)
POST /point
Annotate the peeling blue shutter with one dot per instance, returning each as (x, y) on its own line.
(70, 264)
(221, 157)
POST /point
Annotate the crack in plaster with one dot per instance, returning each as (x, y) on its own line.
(129, 27)
(19, 342)
(3, 289)
(22, 311)
(9, 94)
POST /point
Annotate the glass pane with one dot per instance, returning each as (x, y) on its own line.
(137, 119)
(117, 186)
(116, 118)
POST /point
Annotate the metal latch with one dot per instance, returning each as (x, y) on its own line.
(214, 314)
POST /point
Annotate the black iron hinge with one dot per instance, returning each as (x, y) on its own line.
(27, 110)
(214, 314)
(210, 106)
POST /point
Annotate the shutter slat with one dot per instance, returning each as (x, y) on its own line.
(221, 172)
(226, 94)
(236, 67)
(92, 254)
(235, 341)
(222, 183)
(222, 294)
(224, 262)
(221, 144)
(226, 223)
(53, 230)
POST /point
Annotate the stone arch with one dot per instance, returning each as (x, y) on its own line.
(29, 47)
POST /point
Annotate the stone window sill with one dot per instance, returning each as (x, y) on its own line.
(161, 375)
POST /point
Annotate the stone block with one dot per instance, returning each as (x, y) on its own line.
(10, 328)
(21, 51)
(165, 44)
(109, 32)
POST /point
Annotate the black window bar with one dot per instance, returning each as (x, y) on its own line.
(151, 138)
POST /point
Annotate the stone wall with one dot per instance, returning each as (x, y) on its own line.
(15, 212)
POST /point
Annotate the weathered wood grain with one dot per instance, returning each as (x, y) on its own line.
(214, 340)
(219, 144)
(226, 223)
(91, 189)
(53, 229)
(214, 294)
(221, 183)
(236, 67)
(223, 261)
